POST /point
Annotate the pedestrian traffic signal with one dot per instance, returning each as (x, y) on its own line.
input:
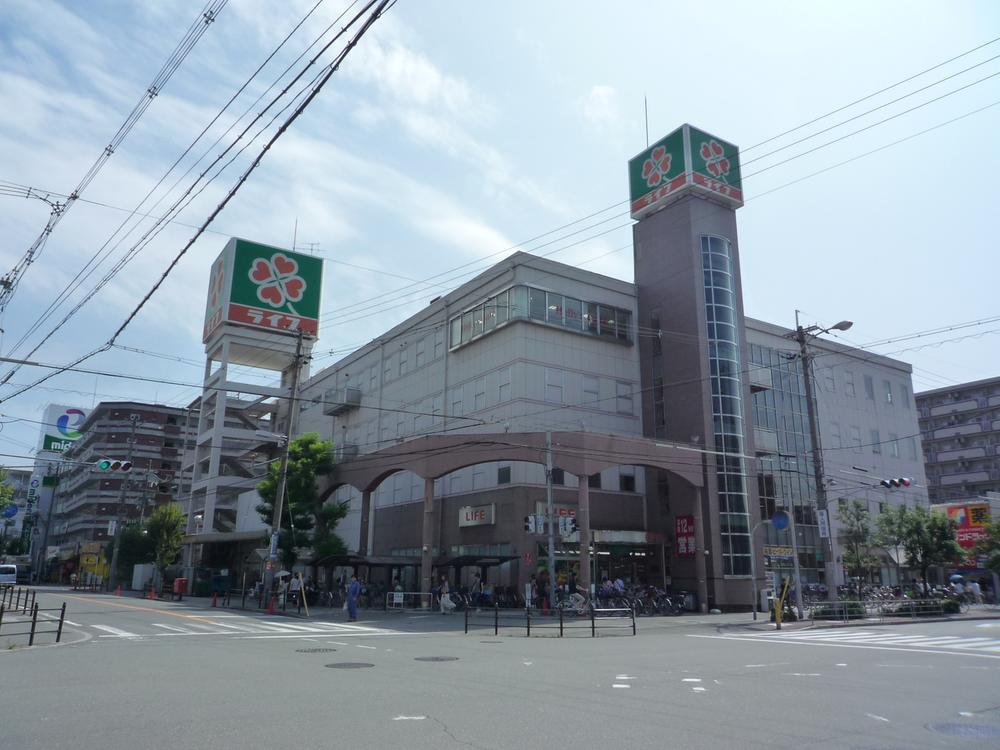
(529, 524)
(110, 464)
(896, 482)
(573, 526)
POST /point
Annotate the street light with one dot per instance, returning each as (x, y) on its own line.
(802, 335)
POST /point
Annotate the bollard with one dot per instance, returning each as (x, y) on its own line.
(593, 622)
(1, 614)
(633, 620)
(17, 602)
(32, 598)
(527, 618)
(215, 599)
(243, 601)
(34, 623)
(118, 590)
(466, 620)
(560, 622)
(270, 606)
(496, 618)
(62, 616)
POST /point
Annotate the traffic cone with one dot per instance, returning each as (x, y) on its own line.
(118, 590)
(215, 599)
(270, 606)
(152, 593)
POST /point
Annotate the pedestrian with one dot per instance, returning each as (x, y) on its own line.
(295, 588)
(977, 591)
(353, 592)
(477, 591)
(447, 605)
(533, 584)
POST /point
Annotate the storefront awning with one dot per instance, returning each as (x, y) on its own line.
(482, 561)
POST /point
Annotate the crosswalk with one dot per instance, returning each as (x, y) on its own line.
(235, 626)
(877, 638)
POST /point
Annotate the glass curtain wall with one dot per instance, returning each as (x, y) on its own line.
(727, 403)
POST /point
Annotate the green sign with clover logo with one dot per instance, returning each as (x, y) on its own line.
(264, 287)
(686, 161)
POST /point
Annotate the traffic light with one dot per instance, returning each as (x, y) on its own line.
(529, 524)
(110, 464)
(896, 482)
(573, 526)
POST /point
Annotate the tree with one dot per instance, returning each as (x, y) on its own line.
(929, 539)
(990, 546)
(890, 530)
(6, 491)
(166, 530)
(856, 534)
(307, 520)
(135, 548)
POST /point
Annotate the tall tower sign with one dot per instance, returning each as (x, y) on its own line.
(687, 160)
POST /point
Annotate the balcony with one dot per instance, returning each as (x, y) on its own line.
(760, 379)
(339, 400)
(345, 452)
(765, 441)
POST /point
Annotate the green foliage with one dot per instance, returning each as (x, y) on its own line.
(856, 533)
(136, 547)
(15, 547)
(6, 491)
(309, 457)
(839, 611)
(890, 529)
(166, 531)
(951, 607)
(990, 546)
(929, 539)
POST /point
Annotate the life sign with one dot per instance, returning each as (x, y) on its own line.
(477, 515)
(686, 161)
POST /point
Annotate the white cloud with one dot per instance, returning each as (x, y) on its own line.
(600, 107)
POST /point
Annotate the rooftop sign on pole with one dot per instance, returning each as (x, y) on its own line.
(686, 161)
(264, 287)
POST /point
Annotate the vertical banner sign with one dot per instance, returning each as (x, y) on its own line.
(686, 161)
(684, 531)
(971, 520)
(29, 509)
(823, 521)
(265, 288)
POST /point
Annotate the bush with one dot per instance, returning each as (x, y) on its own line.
(950, 606)
(839, 611)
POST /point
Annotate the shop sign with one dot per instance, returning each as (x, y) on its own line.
(971, 520)
(477, 515)
(778, 552)
(684, 531)
(823, 522)
(559, 511)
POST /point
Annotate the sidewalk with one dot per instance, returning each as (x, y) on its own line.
(977, 612)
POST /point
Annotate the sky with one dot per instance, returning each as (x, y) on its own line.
(456, 132)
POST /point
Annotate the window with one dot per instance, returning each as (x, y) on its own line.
(904, 395)
(480, 399)
(849, 383)
(438, 343)
(623, 397)
(659, 412)
(574, 314)
(876, 442)
(912, 448)
(893, 445)
(887, 386)
(553, 385)
(372, 379)
(869, 388)
(654, 324)
(609, 321)
(558, 476)
(830, 382)
(590, 317)
(503, 475)
(503, 384)
(591, 391)
(436, 402)
(536, 304)
(456, 402)
(554, 308)
(456, 331)
(856, 439)
(389, 366)
(502, 307)
(594, 481)
(420, 353)
(626, 479)
(490, 313)
(467, 326)
(518, 302)
(881, 507)
(403, 363)
(400, 426)
(835, 435)
(623, 322)
(478, 321)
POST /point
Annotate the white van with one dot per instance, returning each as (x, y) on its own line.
(8, 575)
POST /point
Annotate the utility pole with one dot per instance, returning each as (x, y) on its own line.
(279, 495)
(48, 522)
(829, 560)
(550, 514)
(113, 577)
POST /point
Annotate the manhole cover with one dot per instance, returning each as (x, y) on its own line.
(436, 658)
(349, 665)
(955, 729)
(314, 650)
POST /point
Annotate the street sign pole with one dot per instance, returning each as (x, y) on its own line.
(551, 518)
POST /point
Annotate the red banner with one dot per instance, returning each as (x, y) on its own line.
(684, 530)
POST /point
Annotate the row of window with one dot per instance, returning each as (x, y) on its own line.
(893, 446)
(887, 394)
(528, 303)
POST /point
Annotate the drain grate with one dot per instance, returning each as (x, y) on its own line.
(314, 650)
(956, 729)
(435, 658)
(349, 665)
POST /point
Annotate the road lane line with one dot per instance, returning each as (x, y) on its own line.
(115, 632)
(844, 645)
(171, 627)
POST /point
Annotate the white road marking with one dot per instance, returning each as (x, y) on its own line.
(966, 713)
(691, 679)
(409, 718)
(624, 677)
(361, 645)
(115, 632)
(620, 686)
(754, 666)
(699, 689)
(877, 717)
(840, 665)
(74, 624)
(338, 643)
(800, 642)
(170, 627)
(527, 663)
(801, 674)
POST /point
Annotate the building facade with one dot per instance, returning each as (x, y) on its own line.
(87, 498)
(961, 439)
(18, 479)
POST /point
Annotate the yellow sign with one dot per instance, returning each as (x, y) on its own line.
(773, 550)
(88, 560)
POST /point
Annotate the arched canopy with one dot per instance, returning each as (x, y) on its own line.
(579, 453)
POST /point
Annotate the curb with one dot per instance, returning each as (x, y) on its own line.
(833, 624)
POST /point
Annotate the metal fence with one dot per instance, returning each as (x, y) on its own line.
(557, 624)
(875, 610)
(18, 609)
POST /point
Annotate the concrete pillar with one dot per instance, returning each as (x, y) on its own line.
(702, 558)
(366, 505)
(427, 537)
(583, 523)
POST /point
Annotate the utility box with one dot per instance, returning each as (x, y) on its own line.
(141, 575)
(180, 586)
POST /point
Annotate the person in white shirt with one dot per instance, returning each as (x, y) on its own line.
(976, 591)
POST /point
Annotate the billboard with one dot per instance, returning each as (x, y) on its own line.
(971, 520)
(687, 160)
(264, 287)
(686, 546)
(61, 427)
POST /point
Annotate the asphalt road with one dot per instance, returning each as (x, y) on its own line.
(159, 675)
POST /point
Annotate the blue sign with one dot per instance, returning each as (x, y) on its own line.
(10, 511)
(780, 520)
